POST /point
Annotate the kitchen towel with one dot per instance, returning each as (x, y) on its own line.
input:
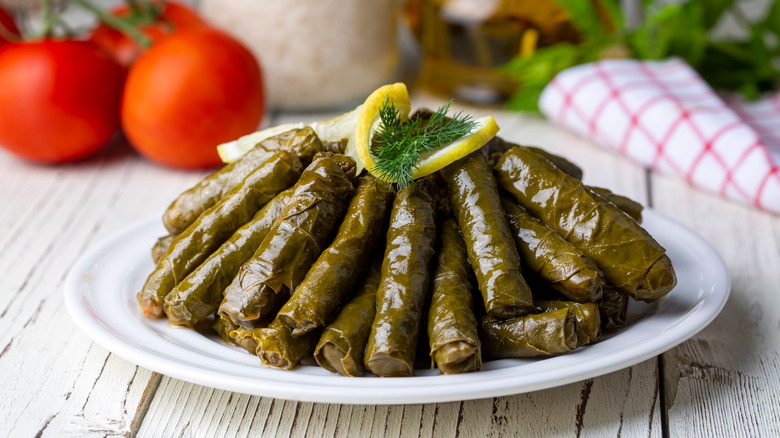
(663, 115)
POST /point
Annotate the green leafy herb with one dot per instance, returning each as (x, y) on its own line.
(669, 29)
(398, 145)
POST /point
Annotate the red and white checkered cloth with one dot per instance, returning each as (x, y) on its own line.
(666, 117)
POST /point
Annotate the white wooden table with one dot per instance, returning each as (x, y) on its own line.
(56, 382)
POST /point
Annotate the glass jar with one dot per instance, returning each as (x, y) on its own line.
(465, 42)
(315, 54)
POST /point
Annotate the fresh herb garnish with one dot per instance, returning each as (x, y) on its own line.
(398, 145)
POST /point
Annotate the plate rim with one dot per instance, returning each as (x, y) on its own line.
(397, 394)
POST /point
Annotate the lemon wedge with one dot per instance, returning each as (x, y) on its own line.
(485, 128)
(368, 121)
(233, 150)
(333, 129)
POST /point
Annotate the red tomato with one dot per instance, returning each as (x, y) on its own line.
(191, 91)
(8, 29)
(124, 49)
(59, 99)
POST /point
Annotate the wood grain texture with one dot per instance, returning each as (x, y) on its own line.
(61, 382)
(724, 381)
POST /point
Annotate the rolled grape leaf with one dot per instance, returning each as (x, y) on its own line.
(613, 308)
(189, 249)
(296, 239)
(452, 326)
(278, 348)
(335, 272)
(200, 293)
(245, 339)
(586, 314)
(159, 248)
(473, 196)
(405, 280)
(223, 327)
(343, 342)
(627, 255)
(302, 143)
(627, 205)
(559, 263)
(497, 146)
(540, 334)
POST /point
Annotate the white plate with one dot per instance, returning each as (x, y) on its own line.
(100, 296)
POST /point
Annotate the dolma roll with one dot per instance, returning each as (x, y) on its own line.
(343, 342)
(223, 327)
(497, 146)
(558, 161)
(403, 287)
(540, 334)
(278, 348)
(189, 249)
(627, 205)
(335, 272)
(586, 314)
(613, 308)
(200, 293)
(294, 242)
(627, 255)
(474, 199)
(245, 339)
(559, 263)
(159, 248)
(303, 143)
(452, 326)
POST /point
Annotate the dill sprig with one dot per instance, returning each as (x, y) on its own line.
(398, 146)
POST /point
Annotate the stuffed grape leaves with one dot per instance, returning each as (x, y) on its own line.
(302, 143)
(335, 272)
(223, 327)
(294, 242)
(189, 249)
(474, 199)
(159, 248)
(586, 314)
(278, 348)
(497, 146)
(343, 342)
(540, 334)
(613, 308)
(200, 293)
(627, 255)
(452, 326)
(405, 279)
(561, 265)
(627, 205)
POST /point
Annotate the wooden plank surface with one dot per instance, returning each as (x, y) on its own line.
(726, 380)
(55, 380)
(723, 382)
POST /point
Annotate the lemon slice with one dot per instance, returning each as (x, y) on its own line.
(233, 150)
(484, 130)
(368, 120)
(334, 129)
(337, 128)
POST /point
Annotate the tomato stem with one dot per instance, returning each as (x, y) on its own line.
(48, 19)
(116, 22)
